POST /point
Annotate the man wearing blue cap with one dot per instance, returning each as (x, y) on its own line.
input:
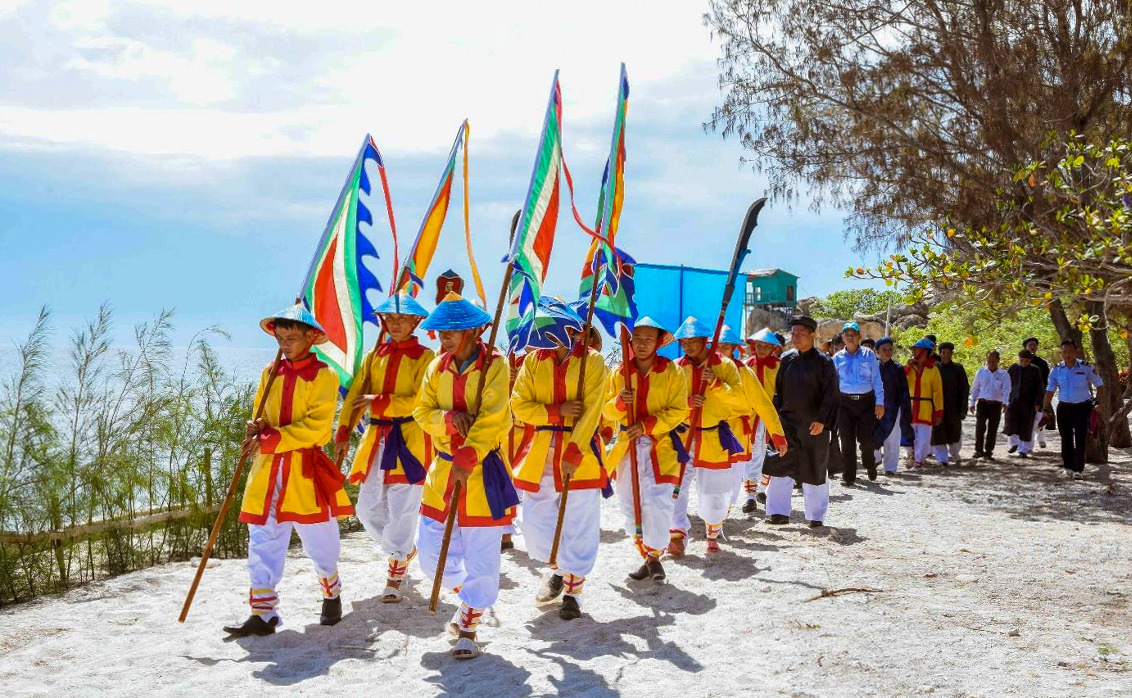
(389, 466)
(806, 395)
(468, 437)
(765, 346)
(861, 403)
(716, 394)
(292, 484)
(897, 405)
(563, 445)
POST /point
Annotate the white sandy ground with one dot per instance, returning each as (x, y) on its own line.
(995, 581)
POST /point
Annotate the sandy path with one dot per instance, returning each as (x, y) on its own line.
(996, 581)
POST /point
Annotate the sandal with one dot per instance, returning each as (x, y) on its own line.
(466, 648)
(391, 594)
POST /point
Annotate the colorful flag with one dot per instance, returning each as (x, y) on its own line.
(534, 239)
(606, 263)
(336, 287)
(424, 247)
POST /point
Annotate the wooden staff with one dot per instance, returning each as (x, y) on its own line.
(231, 493)
(454, 499)
(636, 479)
(741, 251)
(581, 392)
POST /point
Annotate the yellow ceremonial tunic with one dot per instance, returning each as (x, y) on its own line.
(662, 405)
(446, 390)
(724, 398)
(300, 410)
(759, 406)
(541, 386)
(926, 390)
(766, 371)
(393, 372)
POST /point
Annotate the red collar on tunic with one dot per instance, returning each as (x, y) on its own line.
(714, 359)
(448, 360)
(306, 368)
(411, 348)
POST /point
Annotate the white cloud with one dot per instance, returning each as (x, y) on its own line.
(408, 72)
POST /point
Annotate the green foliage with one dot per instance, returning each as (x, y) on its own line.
(121, 434)
(844, 305)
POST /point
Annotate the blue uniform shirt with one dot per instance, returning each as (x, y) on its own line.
(859, 372)
(1073, 381)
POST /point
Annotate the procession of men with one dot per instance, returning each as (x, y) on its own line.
(464, 445)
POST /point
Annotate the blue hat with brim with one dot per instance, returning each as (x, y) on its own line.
(665, 337)
(882, 341)
(851, 326)
(765, 335)
(453, 314)
(552, 320)
(729, 336)
(295, 313)
(924, 343)
(692, 329)
(401, 304)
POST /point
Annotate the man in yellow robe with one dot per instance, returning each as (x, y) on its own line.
(468, 434)
(649, 410)
(713, 444)
(564, 444)
(765, 346)
(292, 484)
(389, 466)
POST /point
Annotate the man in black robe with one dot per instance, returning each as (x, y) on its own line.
(1031, 345)
(806, 396)
(947, 436)
(1026, 394)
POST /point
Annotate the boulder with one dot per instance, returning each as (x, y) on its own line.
(911, 320)
(765, 317)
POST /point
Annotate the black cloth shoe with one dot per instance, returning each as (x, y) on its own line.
(550, 589)
(848, 483)
(570, 609)
(1012, 449)
(988, 456)
(761, 497)
(641, 574)
(872, 474)
(750, 506)
(815, 524)
(778, 519)
(254, 625)
(656, 570)
(331, 611)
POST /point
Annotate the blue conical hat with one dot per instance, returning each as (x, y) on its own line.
(455, 313)
(294, 313)
(765, 335)
(665, 336)
(924, 343)
(401, 304)
(729, 336)
(552, 319)
(692, 329)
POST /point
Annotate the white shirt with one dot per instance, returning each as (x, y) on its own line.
(990, 386)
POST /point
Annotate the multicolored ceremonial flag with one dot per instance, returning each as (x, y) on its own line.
(337, 283)
(606, 263)
(424, 247)
(534, 239)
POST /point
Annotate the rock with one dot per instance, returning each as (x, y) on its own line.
(806, 305)
(1014, 632)
(966, 578)
(764, 317)
(907, 321)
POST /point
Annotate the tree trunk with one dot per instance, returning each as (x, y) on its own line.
(1105, 361)
(1065, 328)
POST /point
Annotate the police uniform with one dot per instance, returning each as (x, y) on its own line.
(1074, 386)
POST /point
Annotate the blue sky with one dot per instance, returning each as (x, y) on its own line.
(159, 154)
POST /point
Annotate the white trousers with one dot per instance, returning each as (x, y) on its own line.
(267, 550)
(814, 497)
(1039, 434)
(1023, 446)
(581, 528)
(389, 513)
(656, 498)
(472, 563)
(752, 468)
(713, 496)
(945, 452)
(888, 455)
(923, 445)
